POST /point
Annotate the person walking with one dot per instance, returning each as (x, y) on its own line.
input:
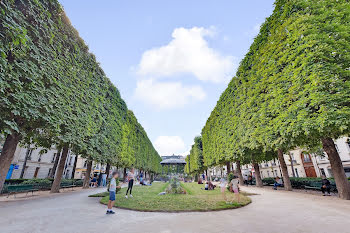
(112, 188)
(223, 187)
(130, 178)
(250, 179)
(235, 188)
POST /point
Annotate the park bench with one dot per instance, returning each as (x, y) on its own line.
(314, 186)
(68, 185)
(317, 186)
(23, 188)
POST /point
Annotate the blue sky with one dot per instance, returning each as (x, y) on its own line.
(170, 60)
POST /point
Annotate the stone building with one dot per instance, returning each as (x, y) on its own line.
(302, 164)
(39, 163)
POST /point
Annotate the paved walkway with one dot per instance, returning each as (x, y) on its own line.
(271, 211)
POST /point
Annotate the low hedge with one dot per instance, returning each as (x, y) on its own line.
(299, 182)
(41, 184)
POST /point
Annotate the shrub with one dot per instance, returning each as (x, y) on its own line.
(299, 182)
(175, 187)
(41, 184)
(14, 181)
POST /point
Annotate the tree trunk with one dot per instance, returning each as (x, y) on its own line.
(291, 165)
(7, 154)
(124, 174)
(25, 162)
(239, 171)
(53, 171)
(55, 188)
(228, 167)
(286, 180)
(343, 185)
(258, 181)
(108, 167)
(74, 166)
(86, 181)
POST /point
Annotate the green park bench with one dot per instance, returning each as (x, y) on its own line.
(23, 188)
(314, 186)
(317, 186)
(67, 185)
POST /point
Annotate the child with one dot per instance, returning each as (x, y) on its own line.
(235, 187)
(112, 190)
(206, 187)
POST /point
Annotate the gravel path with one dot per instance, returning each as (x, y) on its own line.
(271, 211)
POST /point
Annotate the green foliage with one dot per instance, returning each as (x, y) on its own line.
(53, 91)
(194, 161)
(291, 89)
(230, 177)
(136, 148)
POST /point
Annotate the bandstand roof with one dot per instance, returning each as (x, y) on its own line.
(173, 160)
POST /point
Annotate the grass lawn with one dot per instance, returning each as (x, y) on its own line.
(146, 198)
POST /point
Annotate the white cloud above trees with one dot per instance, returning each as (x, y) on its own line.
(188, 52)
(167, 95)
(168, 145)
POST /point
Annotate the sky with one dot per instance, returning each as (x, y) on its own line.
(170, 60)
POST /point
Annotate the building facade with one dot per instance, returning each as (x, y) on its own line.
(302, 164)
(37, 163)
(81, 167)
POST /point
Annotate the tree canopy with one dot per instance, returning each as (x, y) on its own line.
(54, 92)
(292, 89)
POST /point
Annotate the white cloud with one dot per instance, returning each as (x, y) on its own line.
(188, 52)
(168, 145)
(166, 95)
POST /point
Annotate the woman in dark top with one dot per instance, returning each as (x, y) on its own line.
(326, 186)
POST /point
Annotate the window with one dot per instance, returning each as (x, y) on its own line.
(307, 158)
(330, 172)
(53, 157)
(39, 158)
(30, 154)
(85, 164)
(273, 162)
(70, 160)
(323, 173)
(296, 172)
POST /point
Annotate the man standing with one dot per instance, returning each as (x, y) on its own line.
(104, 179)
